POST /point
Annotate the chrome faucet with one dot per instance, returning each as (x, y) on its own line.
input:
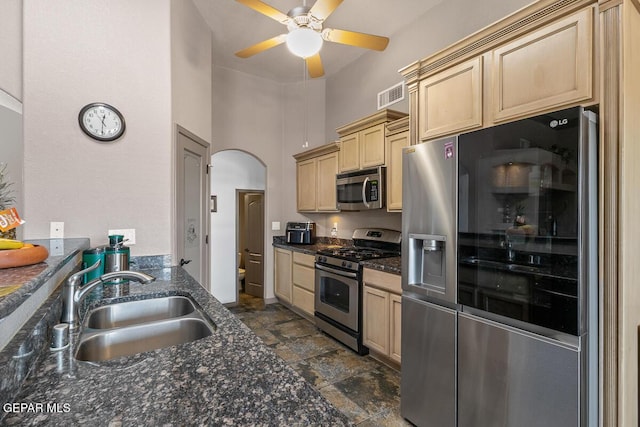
(73, 294)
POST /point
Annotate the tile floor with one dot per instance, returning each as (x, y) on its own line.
(365, 390)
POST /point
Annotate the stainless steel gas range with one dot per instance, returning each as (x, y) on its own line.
(338, 286)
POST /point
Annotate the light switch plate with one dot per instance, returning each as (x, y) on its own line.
(275, 225)
(56, 230)
(128, 233)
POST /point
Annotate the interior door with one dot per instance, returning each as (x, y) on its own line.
(254, 259)
(191, 208)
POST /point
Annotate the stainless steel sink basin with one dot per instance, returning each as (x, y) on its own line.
(135, 312)
(127, 341)
(129, 328)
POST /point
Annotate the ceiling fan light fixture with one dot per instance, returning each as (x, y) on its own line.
(304, 42)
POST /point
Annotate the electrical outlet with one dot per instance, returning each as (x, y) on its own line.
(56, 247)
(275, 225)
(56, 230)
(128, 233)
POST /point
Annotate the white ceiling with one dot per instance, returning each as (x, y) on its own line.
(236, 26)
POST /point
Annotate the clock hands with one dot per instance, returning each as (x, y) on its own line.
(112, 123)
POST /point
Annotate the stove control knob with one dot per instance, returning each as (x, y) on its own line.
(349, 265)
(323, 259)
(344, 263)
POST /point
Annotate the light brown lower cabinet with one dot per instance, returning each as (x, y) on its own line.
(304, 275)
(283, 281)
(382, 308)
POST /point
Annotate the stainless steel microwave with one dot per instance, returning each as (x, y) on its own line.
(361, 190)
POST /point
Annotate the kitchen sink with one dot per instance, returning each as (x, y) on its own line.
(130, 340)
(135, 312)
(129, 328)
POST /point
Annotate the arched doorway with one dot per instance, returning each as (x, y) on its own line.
(233, 174)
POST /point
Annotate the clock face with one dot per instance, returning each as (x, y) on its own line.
(101, 121)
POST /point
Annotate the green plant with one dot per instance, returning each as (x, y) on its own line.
(6, 193)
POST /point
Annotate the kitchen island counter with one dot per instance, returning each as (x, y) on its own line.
(229, 378)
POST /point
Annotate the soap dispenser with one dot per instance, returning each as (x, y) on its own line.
(116, 257)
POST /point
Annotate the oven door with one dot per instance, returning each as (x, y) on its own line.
(337, 295)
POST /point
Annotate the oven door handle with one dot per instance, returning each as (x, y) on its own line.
(338, 272)
(364, 192)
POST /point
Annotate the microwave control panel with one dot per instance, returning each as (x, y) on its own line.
(374, 194)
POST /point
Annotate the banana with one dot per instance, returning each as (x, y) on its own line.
(10, 244)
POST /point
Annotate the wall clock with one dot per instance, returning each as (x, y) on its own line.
(101, 121)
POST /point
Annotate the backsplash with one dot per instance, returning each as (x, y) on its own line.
(349, 221)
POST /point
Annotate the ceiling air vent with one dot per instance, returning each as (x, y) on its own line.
(391, 95)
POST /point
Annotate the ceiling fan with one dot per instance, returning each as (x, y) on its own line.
(306, 35)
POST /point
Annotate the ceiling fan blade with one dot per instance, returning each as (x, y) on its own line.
(267, 10)
(367, 41)
(323, 8)
(263, 45)
(314, 65)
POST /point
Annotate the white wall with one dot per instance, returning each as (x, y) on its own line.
(231, 170)
(265, 118)
(116, 52)
(190, 69)
(297, 98)
(11, 47)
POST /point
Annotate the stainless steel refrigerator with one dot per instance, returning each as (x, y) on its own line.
(499, 276)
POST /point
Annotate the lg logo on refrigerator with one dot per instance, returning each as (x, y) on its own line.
(556, 123)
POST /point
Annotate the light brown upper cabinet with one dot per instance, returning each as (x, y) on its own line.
(397, 137)
(539, 59)
(546, 69)
(362, 143)
(316, 171)
(451, 101)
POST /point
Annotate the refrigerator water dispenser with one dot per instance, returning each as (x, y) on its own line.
(428, 261)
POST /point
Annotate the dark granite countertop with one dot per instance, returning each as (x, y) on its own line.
(389, 265)
(320, 244)
(229, 378)
(29, 278)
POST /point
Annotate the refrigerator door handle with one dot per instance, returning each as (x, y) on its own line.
(364, 192)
